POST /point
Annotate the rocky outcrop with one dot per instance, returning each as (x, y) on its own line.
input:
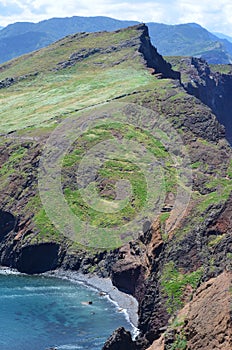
(158, 344)
(153, 241)
(126, 270)
(7, 82)
(212, 88)
(120, 340)
(190, 253)
(30, 258)
(205, 322)
(10, 81)
(38, 258)
(7, 223)
(153, 60)
(208, 324)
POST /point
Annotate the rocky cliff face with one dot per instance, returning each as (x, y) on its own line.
(210, 313)
(161, 290)
(120, 340)
(153, 59)
(205, 322)
(211, 87)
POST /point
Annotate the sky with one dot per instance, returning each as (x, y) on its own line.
(214, 15)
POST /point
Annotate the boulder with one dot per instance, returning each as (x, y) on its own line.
(119, 340)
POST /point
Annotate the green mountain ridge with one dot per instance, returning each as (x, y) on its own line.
(190, 40)
(185, 39)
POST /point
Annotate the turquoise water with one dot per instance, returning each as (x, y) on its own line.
(41, 312)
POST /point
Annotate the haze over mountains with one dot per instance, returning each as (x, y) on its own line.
(223, 36)
(171, 40)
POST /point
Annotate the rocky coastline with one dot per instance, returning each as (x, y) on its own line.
(125, 303)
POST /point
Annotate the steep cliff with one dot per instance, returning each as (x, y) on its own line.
(205, 322)
(210, 84)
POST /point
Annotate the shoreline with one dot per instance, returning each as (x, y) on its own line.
(125, 303)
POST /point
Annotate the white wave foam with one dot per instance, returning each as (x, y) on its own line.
(46, 288)
(69, 347)
(9, 271)
(14, 296)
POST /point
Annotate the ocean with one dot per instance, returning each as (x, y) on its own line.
(39, 313)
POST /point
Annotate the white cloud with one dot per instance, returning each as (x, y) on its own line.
(210, 14)
(215, 15)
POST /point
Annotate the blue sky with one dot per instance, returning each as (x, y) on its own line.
(215, 15)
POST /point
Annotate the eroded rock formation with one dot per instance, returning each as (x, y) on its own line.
(210, 87)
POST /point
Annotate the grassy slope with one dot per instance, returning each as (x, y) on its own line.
(33, 106)
(33, 101)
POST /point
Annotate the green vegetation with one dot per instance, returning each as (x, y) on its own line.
(44, 227)
(13, 170)
(89, 203)
(97, 204)
(10, 166)
(180, 343)
(229, 170)
(217, 182)
(164, 217)
(179, 64)
(47, 231)
(42, 99)
(173, 283)
(213, 198)
(46, 59)
(221, 68)
(196, 165)
(113, 171)
(177, 327)
(216, 240)
(55, 95)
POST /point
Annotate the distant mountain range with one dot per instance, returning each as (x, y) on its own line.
(190, 40)
(223, 36)
(171, 40)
